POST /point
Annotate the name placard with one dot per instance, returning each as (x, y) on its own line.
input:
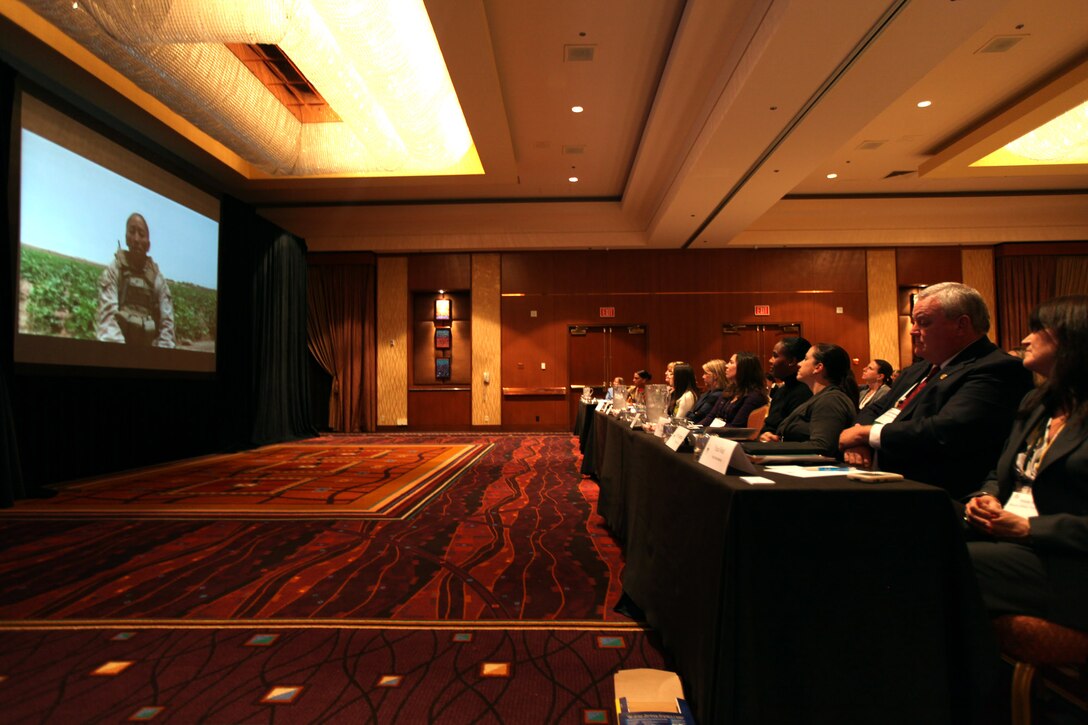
(721, 453)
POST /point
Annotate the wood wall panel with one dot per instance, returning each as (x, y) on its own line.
(486, 339)
(622, 273)
(883, 301)
(440, 271)
(1038, 248)
(682, 298)
(392, 340)
(927, 265)
(438, 409)
(422, 338)
(424, 354)
(537, 413)
(978, 272)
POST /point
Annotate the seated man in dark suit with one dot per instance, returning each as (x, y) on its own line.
(946, 418)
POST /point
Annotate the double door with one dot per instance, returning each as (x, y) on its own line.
(756, 338)
(598, 353)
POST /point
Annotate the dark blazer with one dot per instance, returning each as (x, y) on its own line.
(704, 405)
(813, 427)
(1060, 489)
(784, 400)
(1059, 534)
(735, 412)
(951, 433)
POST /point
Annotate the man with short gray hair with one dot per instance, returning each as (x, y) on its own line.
(946, 418)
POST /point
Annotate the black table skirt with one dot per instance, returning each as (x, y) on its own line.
(810, 601)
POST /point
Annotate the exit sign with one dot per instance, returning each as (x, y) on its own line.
(763, 310)
(611, 312)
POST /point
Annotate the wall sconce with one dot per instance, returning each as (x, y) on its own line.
(443, 310)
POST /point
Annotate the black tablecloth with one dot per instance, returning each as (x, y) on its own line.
(808, 601)
(583, 428)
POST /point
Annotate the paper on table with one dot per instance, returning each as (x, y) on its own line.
(810, 471)
(757, 480)
(717, 423)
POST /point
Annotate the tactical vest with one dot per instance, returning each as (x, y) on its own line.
(137, 308)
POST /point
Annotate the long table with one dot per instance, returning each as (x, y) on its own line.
(807, 601)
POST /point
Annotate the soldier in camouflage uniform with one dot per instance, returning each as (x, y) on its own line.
(134, 303)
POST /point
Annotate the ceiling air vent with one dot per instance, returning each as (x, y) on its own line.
(578, 53)
(1000, 43)
(893, 174)
(574, 150)
(870, 145)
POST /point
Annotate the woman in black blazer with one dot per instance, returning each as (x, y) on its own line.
(814, 426)
(1033, 508)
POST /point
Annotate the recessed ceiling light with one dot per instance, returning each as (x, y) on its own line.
(573, 179)
(577, 109)
(832, 176)
(925, 104)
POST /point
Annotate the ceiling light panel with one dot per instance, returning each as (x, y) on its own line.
(377, 64)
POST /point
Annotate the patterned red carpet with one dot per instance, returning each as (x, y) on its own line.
(489, 600)
(318, 676)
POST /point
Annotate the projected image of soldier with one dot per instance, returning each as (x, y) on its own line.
(134, 303)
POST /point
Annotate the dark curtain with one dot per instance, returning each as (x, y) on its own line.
(1071, 276)
(341, 329)
(11, 475)
(1022, 283)
(281, 375)
(262, 345)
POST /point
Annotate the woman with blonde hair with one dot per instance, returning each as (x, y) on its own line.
(714, 382)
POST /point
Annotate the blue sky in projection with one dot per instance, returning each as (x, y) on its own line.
(75, 207)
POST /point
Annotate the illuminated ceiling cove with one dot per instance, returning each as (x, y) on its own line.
(377, 64)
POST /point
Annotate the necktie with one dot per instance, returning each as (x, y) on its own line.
(917, 388)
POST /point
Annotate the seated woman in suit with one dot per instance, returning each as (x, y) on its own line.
(815, 425)
(745, 392)
(685, 390)
(1033, 509)
(877, 378)
(713, 383)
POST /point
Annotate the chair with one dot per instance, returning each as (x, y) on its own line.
(755, 420)
(1030, 643)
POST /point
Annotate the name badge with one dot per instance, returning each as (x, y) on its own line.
(888, 416)
(1022, 503)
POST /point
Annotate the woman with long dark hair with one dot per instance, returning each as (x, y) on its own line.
(745, 391)
(1033, 509)
(815, 425)
(685, 389)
